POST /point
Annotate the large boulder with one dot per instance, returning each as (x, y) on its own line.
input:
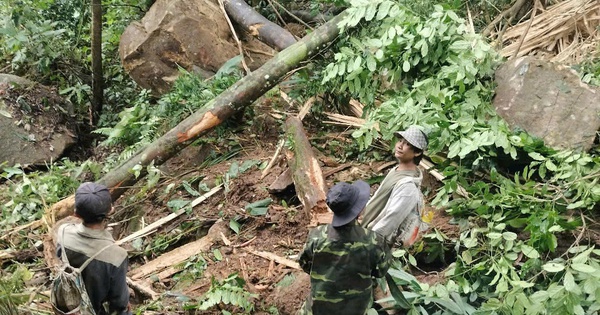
(34, 123)
(192, 34)
(548, 101)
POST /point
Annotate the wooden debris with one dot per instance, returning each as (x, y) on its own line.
(273, 159)
(238, 96)
(225, 240)
(306, 172)
(345, 120)
(278, 259)
(336, 169)
(283, 181)
(151, 228)
(142, 289)
(257, 25)
(31, 225)
(321, 218)
(567, 30)
(164, 266)
(306, 108)
(246, 243)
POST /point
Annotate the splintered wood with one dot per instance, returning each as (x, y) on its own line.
(567, 31)
(306, 172)
(165, 265)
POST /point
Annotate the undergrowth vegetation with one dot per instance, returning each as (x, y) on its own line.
(511, 194)
(410, 63)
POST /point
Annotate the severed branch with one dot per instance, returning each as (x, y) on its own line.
(509, 13)
(278, 259)
(533, 12)
(237, 40)
(151, 228)
(142, 289)
(164, 265)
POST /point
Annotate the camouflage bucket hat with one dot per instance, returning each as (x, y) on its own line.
(347, 201)
(415, 136)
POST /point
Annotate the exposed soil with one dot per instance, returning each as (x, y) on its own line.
(282, 231)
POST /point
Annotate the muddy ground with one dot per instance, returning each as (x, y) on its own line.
(282, 231)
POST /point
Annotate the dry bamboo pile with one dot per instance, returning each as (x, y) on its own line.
(566, 32)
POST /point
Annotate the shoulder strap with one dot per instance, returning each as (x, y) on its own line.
(63, 253)
(94, 256)
(61, 241)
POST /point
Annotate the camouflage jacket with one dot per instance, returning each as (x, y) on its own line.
(342, 263)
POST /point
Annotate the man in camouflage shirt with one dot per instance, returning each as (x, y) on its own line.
(342, 258)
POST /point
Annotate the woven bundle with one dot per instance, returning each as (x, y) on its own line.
(566, 32)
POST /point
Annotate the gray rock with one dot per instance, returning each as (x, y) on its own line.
(34, 128)
(13, 79)
(190, 34)
(548, 101)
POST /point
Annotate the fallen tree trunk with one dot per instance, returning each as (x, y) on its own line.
(165, 265)
(306, 172)
(235, 98)
(257, 25)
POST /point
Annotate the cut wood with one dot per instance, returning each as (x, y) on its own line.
(564, 31)
(257, 25)
(336, 169)
(142, 289)
(151, 228)
(303, 111)
(278, 259)
(306, 172)
(165, 265)
(273, 159)
(283, 181)
(235, 98)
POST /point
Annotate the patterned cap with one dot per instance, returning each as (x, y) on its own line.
(92, 202)
(415, 136)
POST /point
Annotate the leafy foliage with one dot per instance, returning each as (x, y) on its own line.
(10, 287)
(514, 191)
(229, 292)
(48, 41)
(144, 122)
(26, 195)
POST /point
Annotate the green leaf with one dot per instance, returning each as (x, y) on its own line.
(371, 10)
(509, 236)
(396, 292)
(576, 205)
(569, 282)
(177, 204)
(424, 49)
(217, 254)
(494, 235)
(584, 268)
(553, 267)
(530, 252)
(371, 63)
(235, 226)
(261, 203)
(384, 9)
(536, 156)
(259, 211)
(583, 257)
(406, 66)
